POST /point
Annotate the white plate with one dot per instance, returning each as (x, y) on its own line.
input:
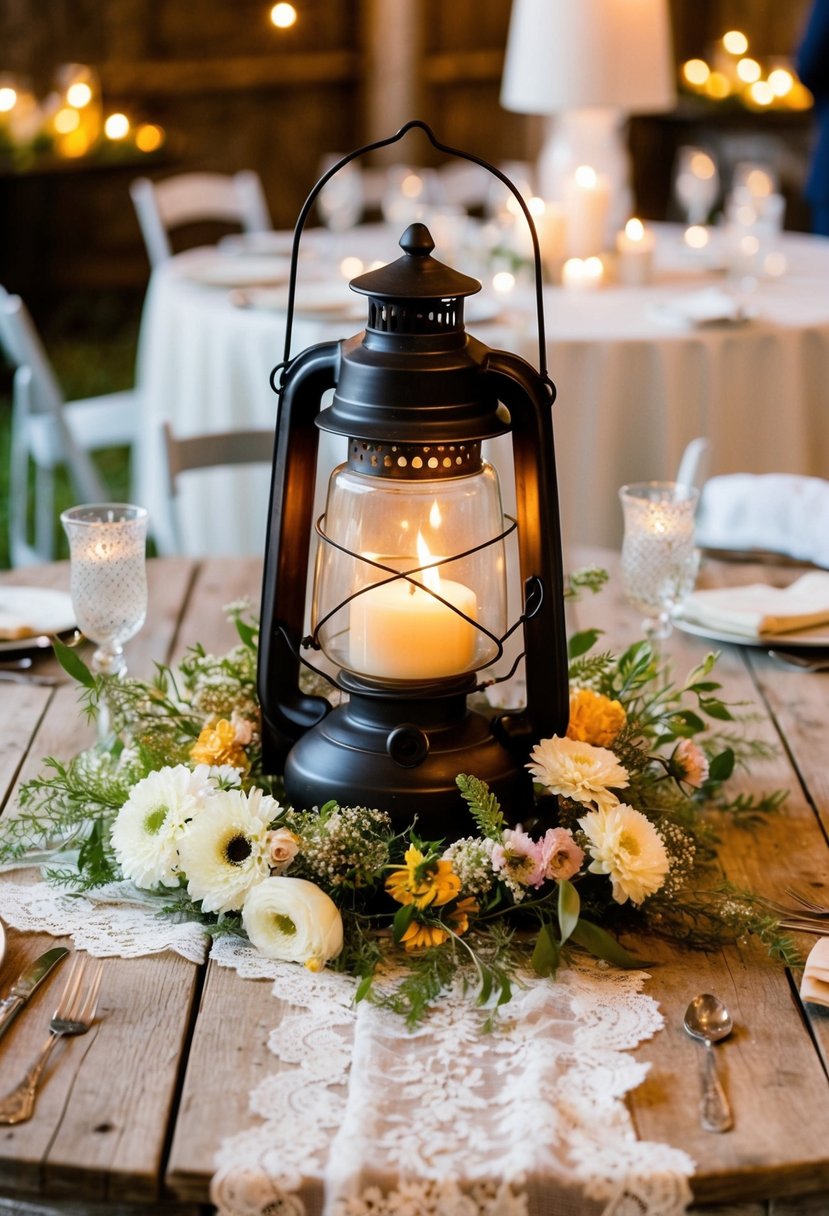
(219, 270)
(809, 639)
(40, 609)
(242, 243)
(330, 300)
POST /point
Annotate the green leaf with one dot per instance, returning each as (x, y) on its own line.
(485, 990)
(402, 919)
(715, 709)
(721, 766)
(569, 906)
(72, 663)
(363, 988)
(247, 633)
(505, 993)
(602, 945)
(580, 643)
(483, 805)
(692, 721)
(546, 954)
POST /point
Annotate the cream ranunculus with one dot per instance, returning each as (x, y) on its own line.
(626, 846)
(578, 770)
(293, 920)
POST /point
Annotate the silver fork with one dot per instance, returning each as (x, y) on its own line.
(74, 1015)
(808, 904)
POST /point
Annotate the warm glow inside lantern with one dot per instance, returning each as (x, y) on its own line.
(410, 597)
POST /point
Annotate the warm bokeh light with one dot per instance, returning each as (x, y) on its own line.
(735, 42)
(697, 237)
(283, 16)
(696, 72)
(536, 206)
(749, 70)
(759, 183)
(350, 267)
(66, 120)
(781, 81)
(799, 98)
(149, 137)
(79, 94)
(718, 86)
(117, 126)
(749, 245)
(503, 281)
(634, 229)
(775, 263)
(75, 144)
(586, 177)
(702, 166)
(411, 186)
(593, 267)
(761, 93)
(8, 97)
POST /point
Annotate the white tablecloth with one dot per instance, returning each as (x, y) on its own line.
(631, 390)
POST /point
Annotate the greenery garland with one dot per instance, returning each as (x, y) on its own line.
(177, 803)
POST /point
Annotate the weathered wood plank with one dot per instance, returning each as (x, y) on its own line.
(780, 1095)
(225, 1062)
(23, 707)
(153, 77)
(218, 582)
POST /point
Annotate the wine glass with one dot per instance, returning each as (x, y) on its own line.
(107, 582)
(696, 184)
(659, 560)
(340, 202)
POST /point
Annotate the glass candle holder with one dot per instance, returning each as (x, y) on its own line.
(659, 560)
(108, 578)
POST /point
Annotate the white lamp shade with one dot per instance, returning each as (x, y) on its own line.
(573, 54)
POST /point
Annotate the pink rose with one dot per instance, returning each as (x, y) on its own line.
(519, 857)
(282, 846)
(562, 857)
(690, 763)
(242, 728)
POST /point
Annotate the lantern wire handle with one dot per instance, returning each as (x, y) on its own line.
(278, 372)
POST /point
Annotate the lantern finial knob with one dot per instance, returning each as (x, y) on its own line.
(417, 241)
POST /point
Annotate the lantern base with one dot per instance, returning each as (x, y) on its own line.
(402, 755)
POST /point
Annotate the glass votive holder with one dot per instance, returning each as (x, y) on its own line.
(659, 559)
(108, 577)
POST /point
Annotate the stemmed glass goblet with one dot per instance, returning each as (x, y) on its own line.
(107, 581)
(659, 560)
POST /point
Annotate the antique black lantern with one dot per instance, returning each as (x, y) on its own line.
(409, 593)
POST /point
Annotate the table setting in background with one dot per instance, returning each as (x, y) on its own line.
(427, 865)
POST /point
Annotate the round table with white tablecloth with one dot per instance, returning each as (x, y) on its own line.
(638, 375)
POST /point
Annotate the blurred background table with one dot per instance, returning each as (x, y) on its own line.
(633, 389)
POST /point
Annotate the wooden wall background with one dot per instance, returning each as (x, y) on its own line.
(232, 91)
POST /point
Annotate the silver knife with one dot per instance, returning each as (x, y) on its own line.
(26, 983)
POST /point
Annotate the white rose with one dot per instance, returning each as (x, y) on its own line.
(293, 920)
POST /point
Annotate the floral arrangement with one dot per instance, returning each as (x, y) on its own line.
(617, 842)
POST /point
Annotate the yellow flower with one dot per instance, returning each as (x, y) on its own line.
(422, 937)
(423, 882)
(459, 916)
(218, 744)
(593, 718)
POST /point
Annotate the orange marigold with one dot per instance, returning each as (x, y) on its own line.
(422, 937)
(594, 719)
(218, 744)
(424, 882)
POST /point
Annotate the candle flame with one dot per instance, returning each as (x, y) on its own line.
(435, 517)
(634, 230)
(430, 576)
(586, 177)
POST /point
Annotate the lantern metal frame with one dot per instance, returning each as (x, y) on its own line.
(398, 744)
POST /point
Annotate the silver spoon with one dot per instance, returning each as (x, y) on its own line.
(708, 1020)
(800, 662)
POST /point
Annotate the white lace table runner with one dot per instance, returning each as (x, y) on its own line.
(362, 1118)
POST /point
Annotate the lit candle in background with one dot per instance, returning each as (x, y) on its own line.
(399, 631)
(583, 274)
(586, 205)
(635, 246)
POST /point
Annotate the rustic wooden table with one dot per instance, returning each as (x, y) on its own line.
(132, 1114)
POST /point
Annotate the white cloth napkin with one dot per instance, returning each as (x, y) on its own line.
(710, 306)
(758, 610)
(781, 512)
(814, 986)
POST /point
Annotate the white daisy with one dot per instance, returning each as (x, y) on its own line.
(578, 770)
(149, 825)
(224, 851)
(625, 845)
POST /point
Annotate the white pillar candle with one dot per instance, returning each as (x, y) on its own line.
(634, 248)
(586, 206)
(398, 631)
(582, 274)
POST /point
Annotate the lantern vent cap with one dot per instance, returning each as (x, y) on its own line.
(417, 275)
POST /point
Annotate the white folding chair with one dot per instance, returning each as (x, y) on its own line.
(193, 197)
(217, 449)
(50, 431)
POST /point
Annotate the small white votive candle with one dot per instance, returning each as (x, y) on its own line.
(582, 274)
(586, 205)
(634, 247)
